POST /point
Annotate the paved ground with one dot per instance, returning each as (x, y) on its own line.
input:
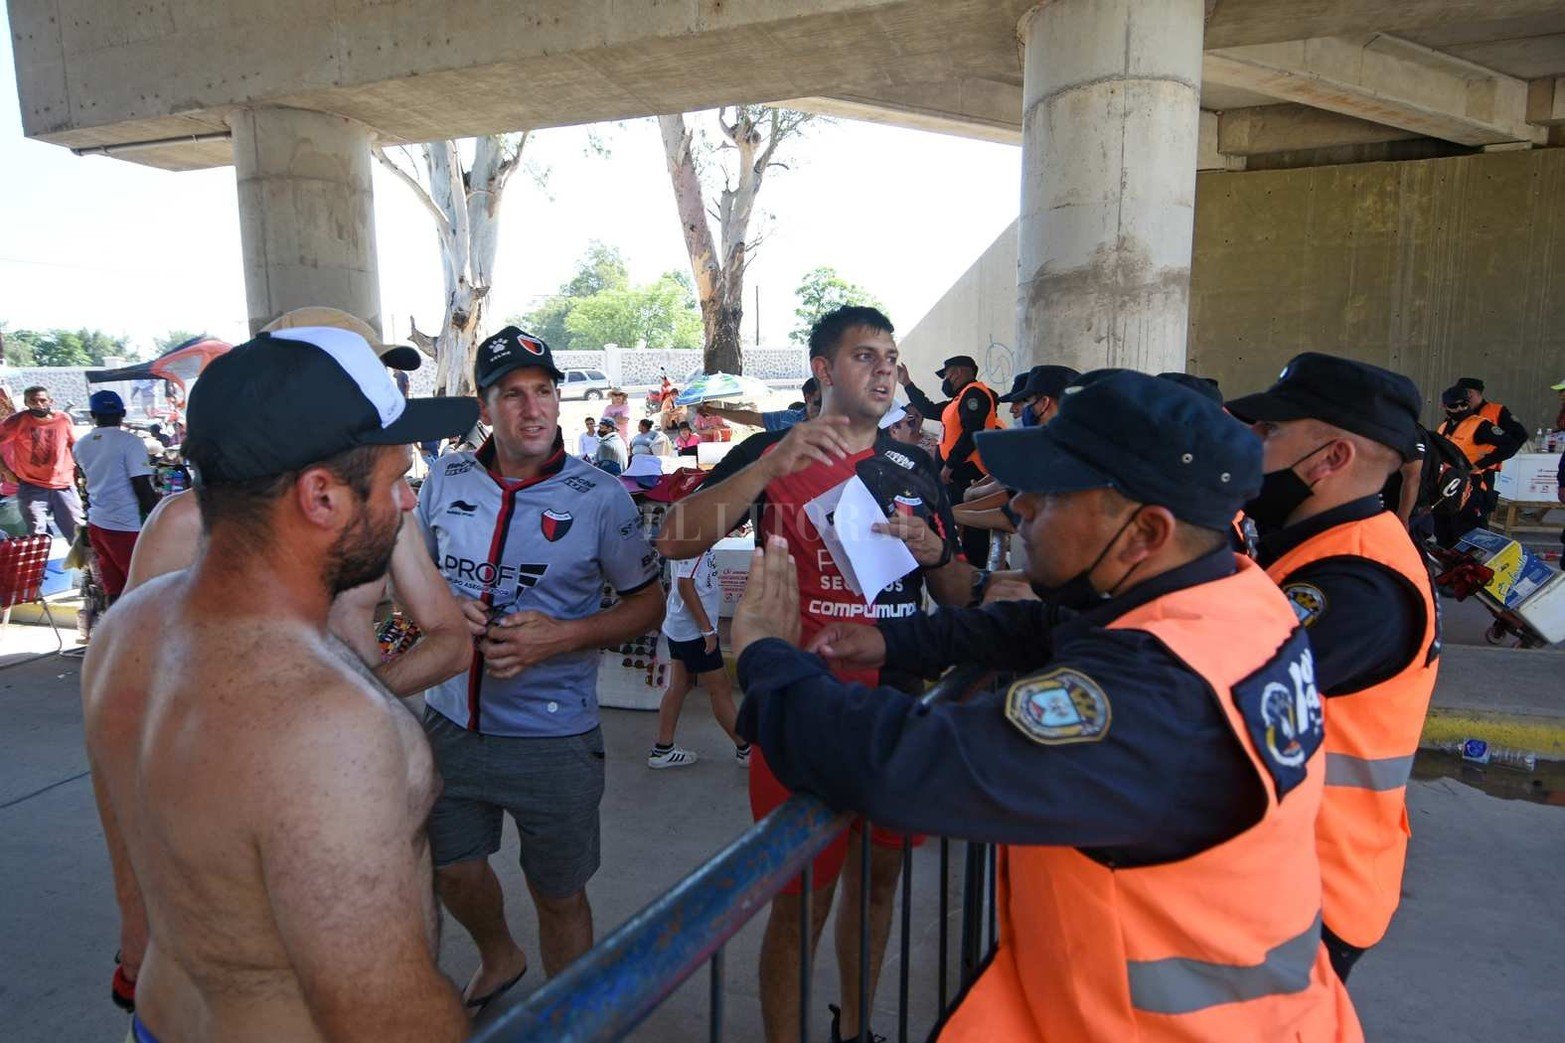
(1478, 940)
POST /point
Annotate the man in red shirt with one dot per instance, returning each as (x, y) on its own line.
(35, 445)
(853, 356)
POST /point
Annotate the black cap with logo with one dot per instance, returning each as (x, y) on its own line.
(286, 400)
(1047, 380)
(958, 360)
(1152, 441)
(511, 349)
(1366, 400)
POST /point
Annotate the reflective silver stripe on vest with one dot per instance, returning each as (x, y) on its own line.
(1385, 773)
(1181, 986)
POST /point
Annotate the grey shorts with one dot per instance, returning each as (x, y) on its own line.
(550, 786)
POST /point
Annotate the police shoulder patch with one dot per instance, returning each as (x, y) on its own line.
(973, 402)
(1308, 601)
(1059, 708)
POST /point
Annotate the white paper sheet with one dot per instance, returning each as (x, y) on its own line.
(869, 561)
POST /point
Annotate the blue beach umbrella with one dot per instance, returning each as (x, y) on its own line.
(710, 387)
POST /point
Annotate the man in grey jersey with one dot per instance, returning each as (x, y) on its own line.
(528, 535)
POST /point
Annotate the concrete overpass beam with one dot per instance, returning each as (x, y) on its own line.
(306, 213)
(1546, 101)
(1384, 80)
(1287, 128)
(1111, 107)
(1209, 152)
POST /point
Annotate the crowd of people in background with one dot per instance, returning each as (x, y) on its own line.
(1126, 547)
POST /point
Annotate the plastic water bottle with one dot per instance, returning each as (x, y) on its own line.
(1479, 751)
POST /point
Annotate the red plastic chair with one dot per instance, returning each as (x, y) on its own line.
(23, 562)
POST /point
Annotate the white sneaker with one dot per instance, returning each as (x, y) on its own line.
(742, 756)
(678, 757)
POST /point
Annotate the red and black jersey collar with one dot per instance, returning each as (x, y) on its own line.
(553, 466)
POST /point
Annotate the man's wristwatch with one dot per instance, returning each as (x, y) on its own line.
(979, 588)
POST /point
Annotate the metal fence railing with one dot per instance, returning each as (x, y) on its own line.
(612, 988)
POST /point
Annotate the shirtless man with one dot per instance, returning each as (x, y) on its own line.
(169, 540)
(265, 794)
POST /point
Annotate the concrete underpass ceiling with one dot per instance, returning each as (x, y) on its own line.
(100, 72)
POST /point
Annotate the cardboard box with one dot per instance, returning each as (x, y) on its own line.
(1544, 611)
(1529, 478)
(733, 569)
(1518, 573)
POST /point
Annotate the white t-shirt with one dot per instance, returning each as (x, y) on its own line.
(679, 623)
(110, 457)
(586, 445)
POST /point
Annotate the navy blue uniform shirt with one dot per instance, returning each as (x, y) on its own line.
(1365, 622)
(1167, 779)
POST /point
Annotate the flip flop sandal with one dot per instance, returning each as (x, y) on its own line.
(121, 989)
(479, 1003)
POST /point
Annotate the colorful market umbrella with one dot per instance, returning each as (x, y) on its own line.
(180, 364)
(710, 387)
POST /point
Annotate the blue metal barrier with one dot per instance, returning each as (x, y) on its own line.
(612, 988)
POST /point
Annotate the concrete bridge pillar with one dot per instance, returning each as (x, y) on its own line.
(1111, 116)
(306, 213)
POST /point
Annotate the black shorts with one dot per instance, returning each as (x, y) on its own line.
(695, 657)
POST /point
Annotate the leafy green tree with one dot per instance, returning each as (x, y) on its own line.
(601, 268)
(173, 339)
(823, 290)
(60, 347)
(662, 314)
(20, 345)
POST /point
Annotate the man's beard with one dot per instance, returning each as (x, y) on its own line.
(362, 553)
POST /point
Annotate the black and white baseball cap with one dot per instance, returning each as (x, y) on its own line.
(512, 348)
(286, 400)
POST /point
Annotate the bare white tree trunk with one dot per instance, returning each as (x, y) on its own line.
(754, 132)
(466, 208)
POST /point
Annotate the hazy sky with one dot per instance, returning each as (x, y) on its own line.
(105, 243)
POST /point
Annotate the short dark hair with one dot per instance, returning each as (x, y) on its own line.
(810, 388)
(829, 328)
(245, 504)
(590, 420)
(28, 392)
(644, 424)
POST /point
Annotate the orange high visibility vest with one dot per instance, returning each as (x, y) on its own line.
(951, 422)
(1464, 434)
(1223, 945)
(1371, 737)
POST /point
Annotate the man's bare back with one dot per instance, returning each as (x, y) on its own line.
(271, 798)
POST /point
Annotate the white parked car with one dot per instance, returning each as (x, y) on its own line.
(584, 384)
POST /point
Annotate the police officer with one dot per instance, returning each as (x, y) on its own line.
(1487, 434)
(1155, 655)
(970, 407)
(1033, 401)
(1333, 430)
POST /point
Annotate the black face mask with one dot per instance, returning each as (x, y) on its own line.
(40, 413)
(1281, 494)
(947, 388)
(1078, 593)
(1458, 414)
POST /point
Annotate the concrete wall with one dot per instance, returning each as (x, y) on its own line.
(976, 316)
(1438, 268)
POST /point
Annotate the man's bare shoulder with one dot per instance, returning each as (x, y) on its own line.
(168, 540)
(126, 639)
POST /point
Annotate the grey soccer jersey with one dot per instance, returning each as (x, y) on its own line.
(548, 544)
